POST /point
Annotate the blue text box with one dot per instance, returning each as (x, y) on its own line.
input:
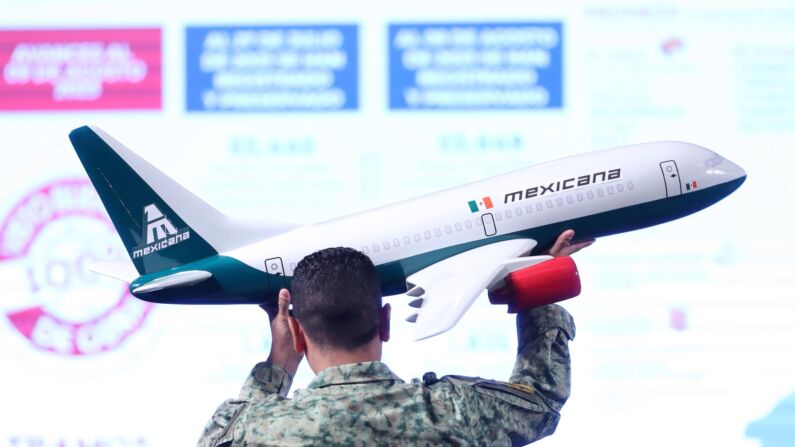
(274, 68)
(475, 66)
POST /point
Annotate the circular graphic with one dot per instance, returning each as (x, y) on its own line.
(47, 241)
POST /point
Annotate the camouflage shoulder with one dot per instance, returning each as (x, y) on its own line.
(219, 430)
(514, 394)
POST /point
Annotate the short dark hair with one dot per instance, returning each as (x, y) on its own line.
(336, 297)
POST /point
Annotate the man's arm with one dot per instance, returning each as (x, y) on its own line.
(527, 407)
(275, 375)
(270, 379)
(543, 362)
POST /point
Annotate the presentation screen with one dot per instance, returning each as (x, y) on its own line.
(305, 111)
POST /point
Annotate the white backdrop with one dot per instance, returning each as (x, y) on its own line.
(685, 331)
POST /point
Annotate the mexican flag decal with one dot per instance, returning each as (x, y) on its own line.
(483, 204)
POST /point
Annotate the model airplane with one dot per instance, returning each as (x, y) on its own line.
(443, 249)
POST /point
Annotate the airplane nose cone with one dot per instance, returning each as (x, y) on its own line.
(733, 171)
(724, 170)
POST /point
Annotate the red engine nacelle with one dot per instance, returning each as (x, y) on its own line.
(538, 285)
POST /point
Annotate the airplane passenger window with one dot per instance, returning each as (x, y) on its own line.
(406, 240)
(508, 214)
(630, 185)
(468, 223)
(599, 192)
(620, 187)
(560, 201)
(590, 194)
(416, 237)
(365, 250)
(518, 211)
(458, 226)
(497, 216)
(549, 204)
(386, 245)
(448, 229)
(579, 197)
(396, 242)
(529, 208)
(539, 206)
(427, 234)
(610, 189)
(437, 232)
(376, 248)
(570, 199)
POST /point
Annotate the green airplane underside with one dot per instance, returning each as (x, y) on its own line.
(234, 282)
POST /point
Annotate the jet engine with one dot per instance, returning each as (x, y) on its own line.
(544, 283)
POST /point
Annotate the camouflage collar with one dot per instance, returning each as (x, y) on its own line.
(354, 373)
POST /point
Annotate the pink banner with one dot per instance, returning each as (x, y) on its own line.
(99, 69)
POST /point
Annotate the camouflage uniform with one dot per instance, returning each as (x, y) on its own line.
(366, 404)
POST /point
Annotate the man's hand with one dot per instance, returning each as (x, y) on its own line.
(282, 352)
(564, 247)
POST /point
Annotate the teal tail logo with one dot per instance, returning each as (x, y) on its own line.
(159, 233)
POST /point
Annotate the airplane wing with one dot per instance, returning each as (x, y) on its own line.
(446, 290)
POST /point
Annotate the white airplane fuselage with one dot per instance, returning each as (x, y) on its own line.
(442, 249)
(596, 194)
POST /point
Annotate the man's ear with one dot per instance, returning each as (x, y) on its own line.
(299, 342)
(383, 323)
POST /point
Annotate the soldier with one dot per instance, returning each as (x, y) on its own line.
(355, 399)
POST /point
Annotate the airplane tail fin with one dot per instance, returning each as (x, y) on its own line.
(162, 224)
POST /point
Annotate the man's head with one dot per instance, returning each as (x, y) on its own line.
(336, 299)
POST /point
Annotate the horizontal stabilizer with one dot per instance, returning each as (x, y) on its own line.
(123, 270)
(180, 279)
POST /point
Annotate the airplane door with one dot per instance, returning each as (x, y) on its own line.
(275, 269)
(673, 185)
(488, 224)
